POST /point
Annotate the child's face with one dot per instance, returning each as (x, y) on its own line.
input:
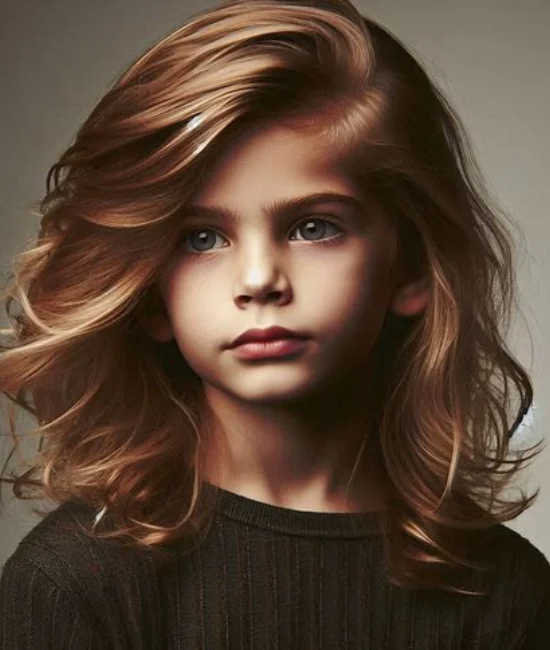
(331, 282)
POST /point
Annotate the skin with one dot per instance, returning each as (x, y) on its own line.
(288, 430)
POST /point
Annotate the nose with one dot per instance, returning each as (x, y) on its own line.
(262, 280)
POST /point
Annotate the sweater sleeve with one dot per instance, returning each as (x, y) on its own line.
(538, 634)
(37, 614)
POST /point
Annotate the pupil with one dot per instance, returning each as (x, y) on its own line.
(202, 236)
(311, 226)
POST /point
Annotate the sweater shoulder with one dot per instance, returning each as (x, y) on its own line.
(114, 589)
(520, 583)
(514, 552)
(61, 547)
(524, 588)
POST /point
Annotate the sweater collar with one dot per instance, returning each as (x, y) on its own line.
(303, 523)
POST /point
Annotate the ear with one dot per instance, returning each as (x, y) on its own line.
(411, 298)
(152, 316)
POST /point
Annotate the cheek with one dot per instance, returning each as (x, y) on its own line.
(193, 308)
(357, 311)
(349, 287)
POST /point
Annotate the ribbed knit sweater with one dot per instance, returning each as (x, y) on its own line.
(264, 577)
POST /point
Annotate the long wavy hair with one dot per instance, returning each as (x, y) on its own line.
(121, 418)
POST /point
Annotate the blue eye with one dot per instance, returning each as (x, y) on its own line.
(202, 237)
(310, 228)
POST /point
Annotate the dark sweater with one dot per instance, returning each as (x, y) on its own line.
(264, 577)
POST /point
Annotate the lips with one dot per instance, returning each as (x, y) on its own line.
(269, 334)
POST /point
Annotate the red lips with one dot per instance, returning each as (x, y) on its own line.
(269, 334)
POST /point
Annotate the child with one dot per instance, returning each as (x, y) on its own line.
(258, 435)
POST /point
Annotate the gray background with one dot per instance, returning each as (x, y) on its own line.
(490, 57)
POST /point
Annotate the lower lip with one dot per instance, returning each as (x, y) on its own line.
(268, 349)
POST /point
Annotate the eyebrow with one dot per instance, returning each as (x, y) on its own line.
(277, 207)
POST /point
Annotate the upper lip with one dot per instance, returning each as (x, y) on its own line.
(267, 334)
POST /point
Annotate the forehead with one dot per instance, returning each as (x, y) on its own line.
(272, 162)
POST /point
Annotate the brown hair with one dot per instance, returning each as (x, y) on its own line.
(119, 415)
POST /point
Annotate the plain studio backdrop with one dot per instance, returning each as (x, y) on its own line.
(490, 58)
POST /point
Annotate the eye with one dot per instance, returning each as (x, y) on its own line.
(308, 226)
(201, 238)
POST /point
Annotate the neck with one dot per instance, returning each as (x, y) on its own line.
(299, 455)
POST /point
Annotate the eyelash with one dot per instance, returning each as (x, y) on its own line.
(327, 242)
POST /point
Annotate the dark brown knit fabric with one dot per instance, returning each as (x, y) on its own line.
(265, 577)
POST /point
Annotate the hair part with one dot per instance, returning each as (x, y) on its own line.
(120, 430)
